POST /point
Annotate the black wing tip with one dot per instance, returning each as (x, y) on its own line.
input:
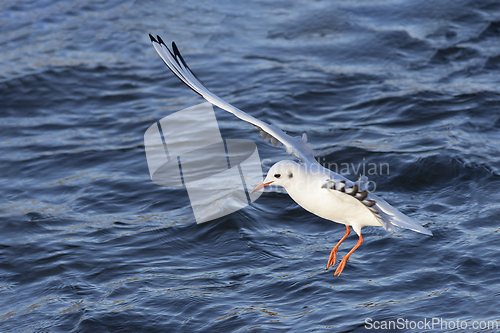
(175, 49)
(160, 40)
(178, 57)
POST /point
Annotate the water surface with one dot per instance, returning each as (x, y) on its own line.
(89, 243)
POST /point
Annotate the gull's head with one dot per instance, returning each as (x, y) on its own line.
(280, 174)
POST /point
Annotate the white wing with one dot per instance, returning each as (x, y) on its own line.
(296, 146)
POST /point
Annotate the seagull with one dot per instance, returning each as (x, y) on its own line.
(313, 187)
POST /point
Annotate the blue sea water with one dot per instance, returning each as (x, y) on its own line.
(88, 243)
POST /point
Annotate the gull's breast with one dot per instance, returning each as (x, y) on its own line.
(332, 205)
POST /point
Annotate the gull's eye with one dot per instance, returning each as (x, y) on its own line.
(277, 175)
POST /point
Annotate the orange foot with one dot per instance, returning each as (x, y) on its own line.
(333, 254)
(332, 258)
(342, 264)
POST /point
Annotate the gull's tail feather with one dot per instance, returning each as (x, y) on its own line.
(391, 217)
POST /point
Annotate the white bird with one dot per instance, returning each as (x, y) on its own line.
(315, 188)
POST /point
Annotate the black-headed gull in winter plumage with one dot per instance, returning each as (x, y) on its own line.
(315, 188)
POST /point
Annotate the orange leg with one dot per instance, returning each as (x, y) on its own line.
(333, 254)
(341, 266)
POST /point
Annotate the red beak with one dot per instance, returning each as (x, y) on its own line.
(261, 185)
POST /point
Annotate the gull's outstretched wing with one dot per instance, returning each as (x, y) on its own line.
(296, 146)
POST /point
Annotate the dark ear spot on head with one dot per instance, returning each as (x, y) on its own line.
(290, 175)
